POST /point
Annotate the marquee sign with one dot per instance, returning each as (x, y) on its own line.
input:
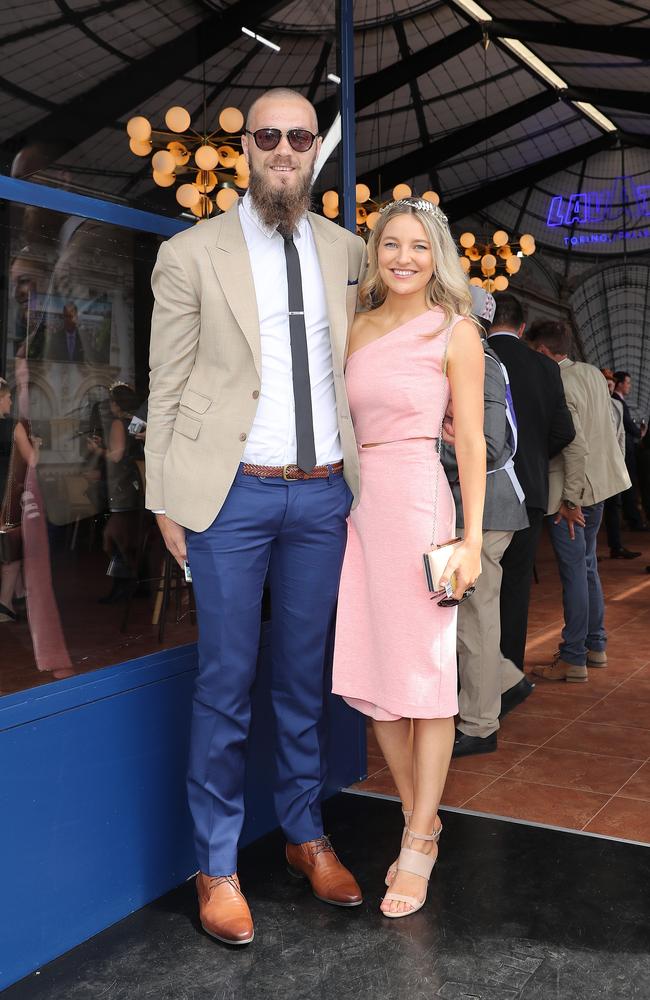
(624, 203)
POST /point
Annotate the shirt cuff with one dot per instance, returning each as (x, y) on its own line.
(158, 511)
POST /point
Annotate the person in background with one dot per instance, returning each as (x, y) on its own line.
(633, 435)
(612, 512)
(13, 438)
(581, 478)
(544, 428)
(65, 342)
(490, 685)
(119, 449)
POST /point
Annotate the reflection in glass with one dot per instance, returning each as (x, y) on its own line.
(86, 590)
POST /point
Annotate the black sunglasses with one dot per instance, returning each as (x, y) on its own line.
(300, 139)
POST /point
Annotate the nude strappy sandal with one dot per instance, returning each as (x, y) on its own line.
(416, 863)
(392, 871)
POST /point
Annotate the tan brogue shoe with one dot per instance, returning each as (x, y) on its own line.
(560, 670)
(223, 910)
(331, 882)
(596, 658)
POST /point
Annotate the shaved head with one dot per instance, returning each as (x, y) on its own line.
(258, 108)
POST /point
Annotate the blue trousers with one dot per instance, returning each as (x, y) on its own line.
(295, 532)
(582, 595)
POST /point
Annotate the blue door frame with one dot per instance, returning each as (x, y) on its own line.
(92, 768)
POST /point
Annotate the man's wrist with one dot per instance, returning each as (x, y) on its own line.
(569, 504)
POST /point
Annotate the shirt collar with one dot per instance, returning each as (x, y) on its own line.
(247, 206)
(503, 333)
(565, 361)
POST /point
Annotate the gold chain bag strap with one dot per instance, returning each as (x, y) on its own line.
(436, 559)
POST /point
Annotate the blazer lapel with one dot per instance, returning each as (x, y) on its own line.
(231, 263)
(333, 258)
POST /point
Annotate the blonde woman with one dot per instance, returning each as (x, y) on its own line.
(395, 655)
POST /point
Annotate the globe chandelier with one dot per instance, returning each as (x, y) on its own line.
(491, 261)
(210, 164)
(487, 261)
(368, 208)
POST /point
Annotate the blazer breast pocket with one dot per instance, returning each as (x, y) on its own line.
(187, 426)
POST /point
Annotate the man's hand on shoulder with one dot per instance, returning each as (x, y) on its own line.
(173, 537)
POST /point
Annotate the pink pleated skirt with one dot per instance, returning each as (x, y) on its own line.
(395, 649)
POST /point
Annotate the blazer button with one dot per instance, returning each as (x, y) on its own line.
(242, 437)
(256, 393)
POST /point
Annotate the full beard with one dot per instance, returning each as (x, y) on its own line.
(280, 208)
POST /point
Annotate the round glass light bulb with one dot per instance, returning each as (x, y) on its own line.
(206, 157)
(488, 263)
(372, 219)
(226, 198)
(401, 191)
(179, 152)
(527, 243)
(241, 166)
(163, 162)
(465, 264)
(361, 215)
(330, 212)
(467, 240)
(139, 128)
(164, 180)
(488, 285)
(242, 180)
(362, 193)
(432, 196)
(500, 283)
(331, 199)
(227, 156)
(500, 238)
(188, 195)
(231, 120)
(513, 264)
(476, 281)
(178, 119)
(140, 147)
(206, 180)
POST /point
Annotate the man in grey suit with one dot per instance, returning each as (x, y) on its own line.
(485, 674)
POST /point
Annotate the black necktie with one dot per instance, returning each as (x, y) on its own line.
(306, 456)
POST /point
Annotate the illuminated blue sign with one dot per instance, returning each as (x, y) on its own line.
(624, 202)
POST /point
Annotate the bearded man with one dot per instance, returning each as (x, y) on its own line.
(251, 470)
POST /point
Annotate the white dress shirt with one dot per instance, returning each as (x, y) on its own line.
(272, 438)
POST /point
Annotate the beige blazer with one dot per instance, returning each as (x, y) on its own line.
(591, 468)
(206, 362)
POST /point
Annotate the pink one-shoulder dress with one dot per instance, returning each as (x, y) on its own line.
(395, 648)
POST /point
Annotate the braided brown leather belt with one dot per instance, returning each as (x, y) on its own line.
(291, 472)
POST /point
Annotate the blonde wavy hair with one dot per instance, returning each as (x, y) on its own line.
(448, 287)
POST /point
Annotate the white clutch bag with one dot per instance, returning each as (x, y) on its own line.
(435, 561)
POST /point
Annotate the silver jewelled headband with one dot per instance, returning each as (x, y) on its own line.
(420, 203)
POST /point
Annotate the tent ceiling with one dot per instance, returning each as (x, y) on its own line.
(433, 107)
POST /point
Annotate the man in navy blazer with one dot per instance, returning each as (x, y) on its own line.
(544, 428)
